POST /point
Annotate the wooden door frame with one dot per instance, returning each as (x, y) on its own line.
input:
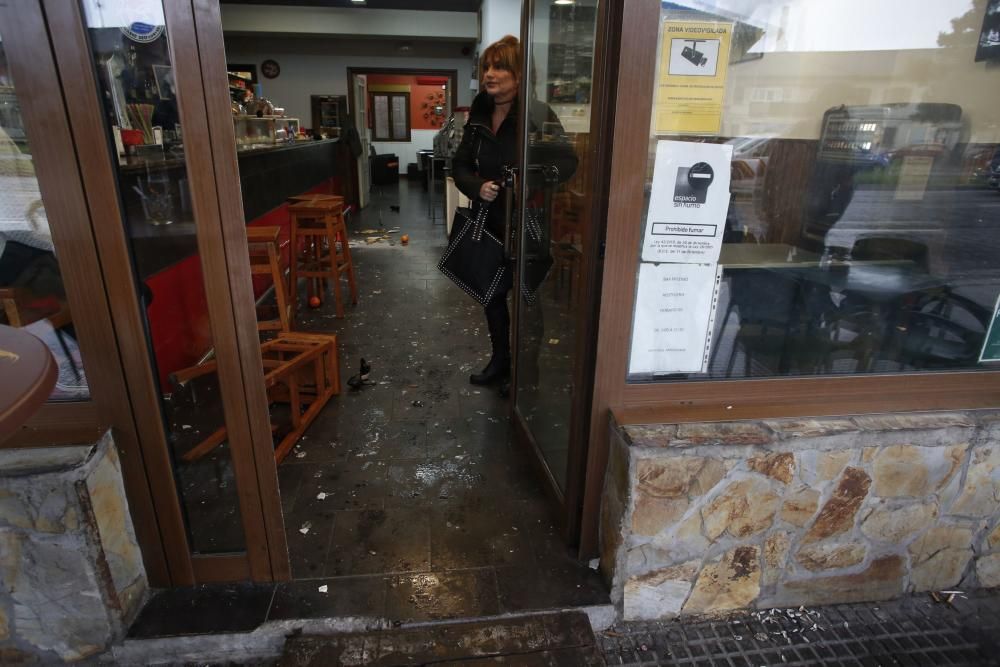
(452, 75)
(226, 275)
(577, 510)
(267, 547)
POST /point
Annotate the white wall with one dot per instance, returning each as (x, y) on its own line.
(311, 66)
(399, 23)
(319, 66)
(500, 17)
(407, 152)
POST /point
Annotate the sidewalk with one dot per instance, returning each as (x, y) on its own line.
(915, 631)
(912, 631)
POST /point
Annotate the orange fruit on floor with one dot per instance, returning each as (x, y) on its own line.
(315, 302)
(404, 239)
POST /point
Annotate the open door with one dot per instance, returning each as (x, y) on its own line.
(556, 239)
(360, 113)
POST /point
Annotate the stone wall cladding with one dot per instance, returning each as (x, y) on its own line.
(71, 574)
(720, 516)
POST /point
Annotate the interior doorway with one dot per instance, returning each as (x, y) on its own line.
(410, 489)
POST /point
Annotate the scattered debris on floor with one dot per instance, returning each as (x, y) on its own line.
(361, 379)
(947, 597)
(372, 236)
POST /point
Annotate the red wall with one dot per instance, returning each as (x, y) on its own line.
(418, 96)
(178, 314)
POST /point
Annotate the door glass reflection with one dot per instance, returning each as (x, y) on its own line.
(560, 61)
(133, 65)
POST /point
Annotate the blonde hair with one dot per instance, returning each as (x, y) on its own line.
(505, 53)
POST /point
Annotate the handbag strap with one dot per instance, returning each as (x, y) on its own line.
(479, 224)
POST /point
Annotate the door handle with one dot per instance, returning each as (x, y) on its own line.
(508, 179)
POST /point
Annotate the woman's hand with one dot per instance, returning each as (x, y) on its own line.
(489, 190)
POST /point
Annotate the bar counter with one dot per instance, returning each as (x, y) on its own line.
(269, 175)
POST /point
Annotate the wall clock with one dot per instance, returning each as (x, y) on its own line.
(270, 68)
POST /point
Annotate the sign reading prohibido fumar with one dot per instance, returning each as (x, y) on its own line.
(991, 346)
(694, 59)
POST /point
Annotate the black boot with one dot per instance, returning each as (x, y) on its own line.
(498, 322)
(498, 369)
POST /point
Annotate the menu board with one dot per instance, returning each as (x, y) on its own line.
(674, 318)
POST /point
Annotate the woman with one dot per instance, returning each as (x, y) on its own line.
(489, 143)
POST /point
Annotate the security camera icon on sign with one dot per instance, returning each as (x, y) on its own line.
(693, 55)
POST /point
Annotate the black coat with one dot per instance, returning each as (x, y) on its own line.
(482, 155)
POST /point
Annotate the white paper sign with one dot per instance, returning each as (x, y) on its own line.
(674, 318)
(688, 203)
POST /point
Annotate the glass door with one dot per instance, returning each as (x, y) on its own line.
(151, 143)
(555, 243)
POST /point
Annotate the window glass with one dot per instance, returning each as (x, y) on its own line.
(391, 112)
(822, 190)
(32, 295)
(400, 116)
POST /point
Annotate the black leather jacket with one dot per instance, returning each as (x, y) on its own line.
(482, 154)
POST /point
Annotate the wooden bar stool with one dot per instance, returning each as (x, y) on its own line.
(317, 197)
(311, 223)
(264, 245)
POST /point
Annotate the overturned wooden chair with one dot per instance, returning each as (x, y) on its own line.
(300, 369)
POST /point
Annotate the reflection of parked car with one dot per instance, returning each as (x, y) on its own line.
(918, 150)
(993, 179)
(976, 165)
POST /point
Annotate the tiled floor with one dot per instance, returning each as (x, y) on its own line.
(406, 499)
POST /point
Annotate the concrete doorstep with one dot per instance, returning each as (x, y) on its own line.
(556, 637)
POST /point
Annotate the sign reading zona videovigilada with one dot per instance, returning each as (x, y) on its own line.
(688, 202)
(694, 60)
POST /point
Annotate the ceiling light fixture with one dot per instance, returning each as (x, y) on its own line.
(359, 2)
(565, 2)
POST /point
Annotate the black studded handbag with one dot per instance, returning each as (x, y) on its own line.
(475, 258)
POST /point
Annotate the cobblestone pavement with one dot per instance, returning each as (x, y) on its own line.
(913, 631)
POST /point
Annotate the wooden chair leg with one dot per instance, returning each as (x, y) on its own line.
(331, 236)
(293, 263)
(205, 446)
(349, 263)
(279, 288)
(333, 367)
